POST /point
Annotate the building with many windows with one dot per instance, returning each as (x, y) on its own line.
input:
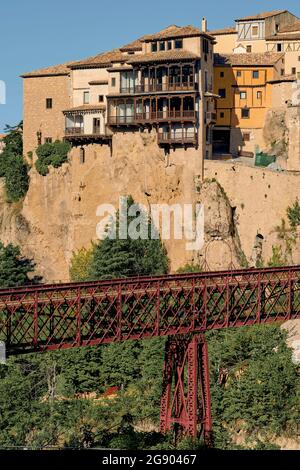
(161, 83)
(244, 83)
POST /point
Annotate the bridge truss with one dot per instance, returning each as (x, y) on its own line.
(182, 307)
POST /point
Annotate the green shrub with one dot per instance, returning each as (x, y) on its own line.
(15, 171)
(293, 214)
(54, 154)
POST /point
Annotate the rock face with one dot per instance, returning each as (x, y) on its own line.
(59, 213)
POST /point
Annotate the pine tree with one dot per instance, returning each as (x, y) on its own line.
(14, 269)
(119, 257)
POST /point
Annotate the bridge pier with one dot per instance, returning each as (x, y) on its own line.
(185, 402)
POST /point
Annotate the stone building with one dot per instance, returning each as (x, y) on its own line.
(161, 83)
(272, 31)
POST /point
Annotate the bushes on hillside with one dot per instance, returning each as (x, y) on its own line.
(12, 165)
(54, 154)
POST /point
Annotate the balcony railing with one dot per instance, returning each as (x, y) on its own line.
(81, 131)
(74, 131)
(178, 138)
(158, 87)
(167, 115)
(121, 120)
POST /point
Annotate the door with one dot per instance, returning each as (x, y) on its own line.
(96, 126)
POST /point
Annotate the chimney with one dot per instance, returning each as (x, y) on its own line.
(204, 25)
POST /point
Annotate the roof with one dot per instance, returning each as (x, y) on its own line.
(85, 107)
(229, 30)
(98, 82)
(284, 78)
(103, 59)
(284, 37)
(61, 69)
(262, 16)
(163, 56)
(266, 59)
(174, 31)
(133, 46)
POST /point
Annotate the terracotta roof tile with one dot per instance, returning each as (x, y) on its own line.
(61, 69)
(103, 59)
(174, 31)
(133, 46)
(284, 37)
(229, 30)
(86, 107)
(247, 59)
(262, 16)
(163, 56)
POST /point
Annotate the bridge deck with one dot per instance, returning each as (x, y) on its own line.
(47, 317)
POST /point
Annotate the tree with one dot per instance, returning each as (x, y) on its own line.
(14, 268)
(14, 139)
(128, 257)
(81, 264)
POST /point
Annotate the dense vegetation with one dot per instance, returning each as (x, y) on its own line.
(14, 269)
(63, 398)
(51, 154)
(12, 165)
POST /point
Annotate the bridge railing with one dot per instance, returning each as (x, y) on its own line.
(47, 317)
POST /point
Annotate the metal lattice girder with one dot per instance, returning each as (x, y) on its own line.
(47, 317)
(185, 402)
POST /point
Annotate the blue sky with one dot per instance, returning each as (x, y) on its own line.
(37, 33)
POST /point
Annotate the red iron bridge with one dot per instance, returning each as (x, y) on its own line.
(182, 307)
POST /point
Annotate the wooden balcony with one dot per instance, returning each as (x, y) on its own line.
(77, 136)
(121, 120)
(180, 138)
(158, 87)
(160, 116)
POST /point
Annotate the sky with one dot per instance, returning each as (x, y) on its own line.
(39, 33)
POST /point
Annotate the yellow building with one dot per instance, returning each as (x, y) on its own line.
(243, 83)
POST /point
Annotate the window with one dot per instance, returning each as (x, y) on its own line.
(48, 140)
(259, 95)
(249, 48)
(113, 81)
(169, 45)
(243, 95)
(222, 93)
(299, 58)
(162, 46)
(279, 47)
(282, 72)
(82, 155)
(246, 137)
(154, 47)
(245, 113)
(239, 73)
(86, 97)
(222, 74)
(205, 46)
(254, 30)
(100, 98)
(255, 74)
(49, 103)
(293, 70)
(276, 28)
(222, 115)
(178, 44)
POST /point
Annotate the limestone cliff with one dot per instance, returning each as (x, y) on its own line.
(58, 214)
